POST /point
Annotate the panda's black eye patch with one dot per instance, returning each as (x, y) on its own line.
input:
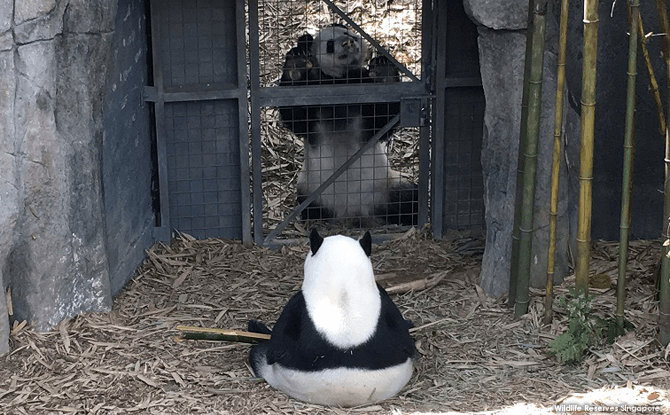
(330, 47)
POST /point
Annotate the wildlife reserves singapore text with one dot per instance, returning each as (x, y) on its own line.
(597, 408)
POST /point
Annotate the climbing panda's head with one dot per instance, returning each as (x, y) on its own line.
(340, 291)
(338, 50)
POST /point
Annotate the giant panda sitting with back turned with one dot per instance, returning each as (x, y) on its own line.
(369, 188)
(341, 340)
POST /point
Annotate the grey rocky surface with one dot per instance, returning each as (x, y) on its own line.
(55, 60)
(501, 62)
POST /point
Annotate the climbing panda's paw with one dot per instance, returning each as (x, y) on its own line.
(382, 70)
(296, 68)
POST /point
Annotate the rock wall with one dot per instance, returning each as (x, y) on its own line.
(502, 43)
(55, 57)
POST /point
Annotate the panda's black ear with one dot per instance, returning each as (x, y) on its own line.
(366, 243)
(305, 42)
(315, 241)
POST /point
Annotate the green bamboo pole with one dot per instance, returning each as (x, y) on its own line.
(664, 294)
(556, 161)
(530, 155)
(629, 151)
(516, 234)
(653, 83)
(586, 148)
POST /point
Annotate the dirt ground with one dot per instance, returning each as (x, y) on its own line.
(475, 356)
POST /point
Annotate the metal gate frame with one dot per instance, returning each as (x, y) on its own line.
(431, 94)
(236, 90)
(442, 87)
(416, 93)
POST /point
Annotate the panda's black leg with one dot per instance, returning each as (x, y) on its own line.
(402, 207)
(313, 211)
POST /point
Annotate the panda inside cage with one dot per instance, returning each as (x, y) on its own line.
(305, 44)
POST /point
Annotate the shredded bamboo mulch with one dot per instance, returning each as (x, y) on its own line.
(474, 355)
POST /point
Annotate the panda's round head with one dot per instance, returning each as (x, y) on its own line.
(339, 288)
(338, 50)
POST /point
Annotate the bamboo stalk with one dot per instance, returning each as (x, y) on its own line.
(664, 294)
(556, 161)
(516, 234)
(586, 148)
(530, 155)
(629, 151)
(653, 83)
(203, 333)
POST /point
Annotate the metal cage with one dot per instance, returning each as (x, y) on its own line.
(229, 167)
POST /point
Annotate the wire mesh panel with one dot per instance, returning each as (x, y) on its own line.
(204, 173)
(198, 47)
(459, 117)
(337, 106)
(463, 181)
(201, 116)
(394, 25)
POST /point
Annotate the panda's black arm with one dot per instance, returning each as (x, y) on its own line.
(395, 319)
(295, 119)
(287, 331)
(256, 326)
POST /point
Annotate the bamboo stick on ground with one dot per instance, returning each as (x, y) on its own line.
(203, 333)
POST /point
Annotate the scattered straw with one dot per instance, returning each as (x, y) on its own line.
(474, 355)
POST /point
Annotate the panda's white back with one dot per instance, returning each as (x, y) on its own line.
(340, 292)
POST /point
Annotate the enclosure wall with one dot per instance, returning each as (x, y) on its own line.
(126, 146)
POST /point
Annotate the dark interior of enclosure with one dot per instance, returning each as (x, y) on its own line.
(647, 201)
(463, 118)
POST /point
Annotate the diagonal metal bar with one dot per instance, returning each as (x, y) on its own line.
(369, 38)
(331, 179)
